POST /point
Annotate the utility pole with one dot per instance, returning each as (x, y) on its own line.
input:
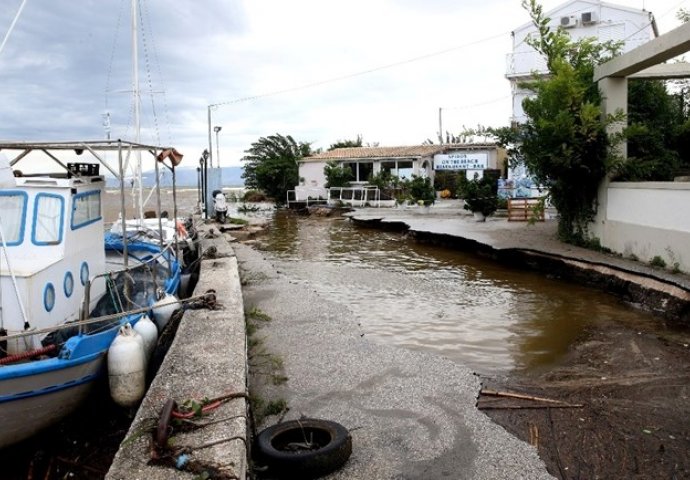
(217, 129)
(440, 125)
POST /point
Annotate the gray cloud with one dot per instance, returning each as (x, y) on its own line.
(69, 61)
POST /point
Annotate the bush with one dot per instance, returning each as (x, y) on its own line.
(337, 175)
(420, 189)
(479, 196)
(255, 196)
(383, 180)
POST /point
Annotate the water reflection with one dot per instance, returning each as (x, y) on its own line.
(470, 309)
(284, 235)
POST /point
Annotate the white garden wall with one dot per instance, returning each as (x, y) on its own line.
(312, 173)
(648, 219)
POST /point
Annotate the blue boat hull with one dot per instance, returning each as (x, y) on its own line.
(37, 394)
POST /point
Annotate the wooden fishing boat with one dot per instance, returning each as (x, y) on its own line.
(58, 270)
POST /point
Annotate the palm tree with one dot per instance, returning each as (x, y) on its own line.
(273, 165)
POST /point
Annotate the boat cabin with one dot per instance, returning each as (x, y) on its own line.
(51, 236)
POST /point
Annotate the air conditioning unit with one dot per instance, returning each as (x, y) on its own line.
(569, 22)
(589, 18)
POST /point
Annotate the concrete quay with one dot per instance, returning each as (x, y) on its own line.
(207, 359)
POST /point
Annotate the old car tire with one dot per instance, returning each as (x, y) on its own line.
(279, 447)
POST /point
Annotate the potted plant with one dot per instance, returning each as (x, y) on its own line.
(480, 197)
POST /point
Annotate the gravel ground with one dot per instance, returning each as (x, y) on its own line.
(411, 415)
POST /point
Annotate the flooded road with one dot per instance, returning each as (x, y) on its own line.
(472, 310)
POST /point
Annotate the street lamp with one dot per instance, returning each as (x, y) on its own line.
(217, 129)
(203, 167)
(210, 147)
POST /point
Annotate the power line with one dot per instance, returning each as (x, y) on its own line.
(480, 104)
(360, 73)
(396, 64)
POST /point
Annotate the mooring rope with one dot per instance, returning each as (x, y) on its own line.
(208, 297)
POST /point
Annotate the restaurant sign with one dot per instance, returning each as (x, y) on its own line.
(461, 161)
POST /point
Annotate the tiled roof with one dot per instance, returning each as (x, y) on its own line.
(392, 152)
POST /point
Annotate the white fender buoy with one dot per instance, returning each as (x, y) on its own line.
(140, 339)
(164, 308)
(149, 333)
(126, 367)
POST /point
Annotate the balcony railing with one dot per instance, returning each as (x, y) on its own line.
(520, 64)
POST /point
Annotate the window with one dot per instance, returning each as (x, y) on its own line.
(48, 214)
(86, 209)
(366, 169)
(405, 170)
(84, 273)
(12, 217)
(361, 171)
(49, 297)
(68, 284)
(389, 167)
(399, 168)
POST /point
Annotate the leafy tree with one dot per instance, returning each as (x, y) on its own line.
(273, 165)
(655, 129)
(337, 175)
(564, 141)
(346, 143)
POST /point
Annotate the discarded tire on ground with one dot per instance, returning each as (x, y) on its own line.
(305, 448)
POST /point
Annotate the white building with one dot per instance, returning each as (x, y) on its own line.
(580, 19)
(403, 162)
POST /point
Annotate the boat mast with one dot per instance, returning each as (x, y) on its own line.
(14, 22)
(137, 106)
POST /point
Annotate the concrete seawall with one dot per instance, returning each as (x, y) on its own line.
(206, 360)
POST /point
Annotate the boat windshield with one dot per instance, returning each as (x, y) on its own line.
(48, 212)
(86, 209)
(12, 217)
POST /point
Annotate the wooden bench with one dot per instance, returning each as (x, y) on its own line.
(524, 209)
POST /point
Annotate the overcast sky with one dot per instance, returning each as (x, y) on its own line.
(318, 70)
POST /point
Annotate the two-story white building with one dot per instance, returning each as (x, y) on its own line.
(581, 19)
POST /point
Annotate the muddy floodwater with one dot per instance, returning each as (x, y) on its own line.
(473, 310)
